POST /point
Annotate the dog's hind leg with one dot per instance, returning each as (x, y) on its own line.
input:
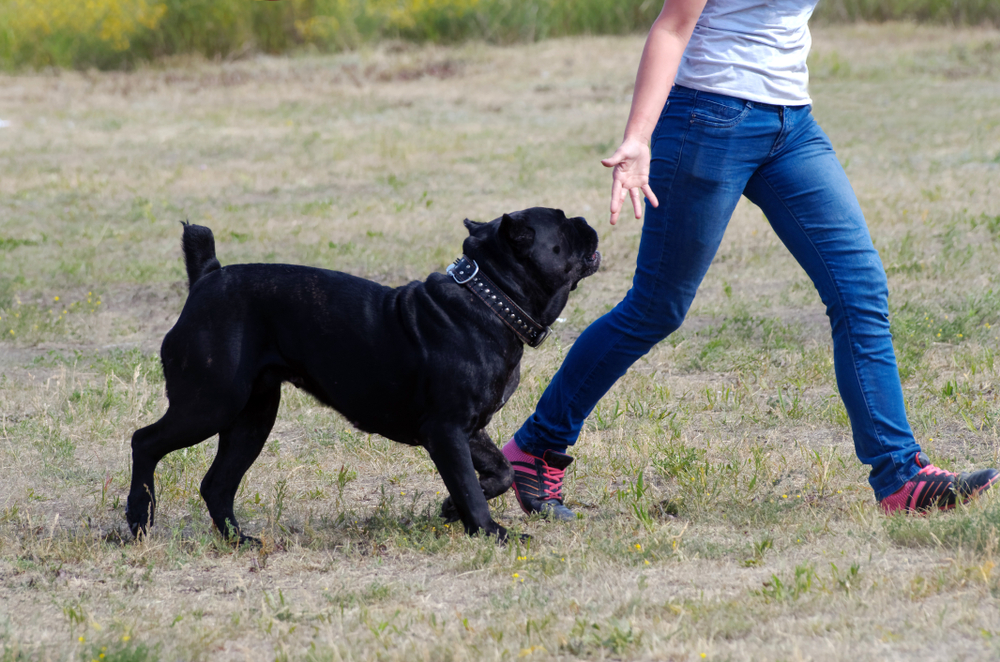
(239, 445)
(495, 473)
(179, 428)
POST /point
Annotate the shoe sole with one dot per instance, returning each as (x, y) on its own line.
(547, 516)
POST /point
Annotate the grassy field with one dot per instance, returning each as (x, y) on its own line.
(725, 515)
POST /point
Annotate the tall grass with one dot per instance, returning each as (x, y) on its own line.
(66, 33)
(119, 33)
(947, 12)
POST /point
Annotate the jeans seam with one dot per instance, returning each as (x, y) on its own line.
(847, 323)
(700, 120)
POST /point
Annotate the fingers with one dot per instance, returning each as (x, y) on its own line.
(650, 195)
(636, 196)
(616, 200)
(631, 168)
(613, 160)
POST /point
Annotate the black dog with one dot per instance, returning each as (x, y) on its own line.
(425, 364)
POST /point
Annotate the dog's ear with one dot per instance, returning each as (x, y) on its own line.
(517, 232)
(472, 226)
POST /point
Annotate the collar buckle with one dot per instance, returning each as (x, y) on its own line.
(540, 338)
(462, 266)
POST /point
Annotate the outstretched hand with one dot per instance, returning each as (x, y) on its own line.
(631, 173)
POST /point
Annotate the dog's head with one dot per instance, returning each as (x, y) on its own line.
(536, 253)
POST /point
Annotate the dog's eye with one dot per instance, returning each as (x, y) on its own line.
(555, 249)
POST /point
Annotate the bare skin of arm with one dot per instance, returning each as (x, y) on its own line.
(660, 58)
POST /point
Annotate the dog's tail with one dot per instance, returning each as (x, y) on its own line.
(199, 252)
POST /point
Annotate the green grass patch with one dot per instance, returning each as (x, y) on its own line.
(976, 528)
(53, 317)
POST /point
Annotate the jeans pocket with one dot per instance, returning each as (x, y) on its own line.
(719, 112)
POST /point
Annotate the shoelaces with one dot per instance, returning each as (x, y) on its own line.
(553, 482)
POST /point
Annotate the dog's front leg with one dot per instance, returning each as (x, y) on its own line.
(449, 450)
(495, 473)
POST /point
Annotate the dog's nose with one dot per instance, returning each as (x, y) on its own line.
(594, 261)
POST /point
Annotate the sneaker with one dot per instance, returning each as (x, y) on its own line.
(933, 487)
(538, 481)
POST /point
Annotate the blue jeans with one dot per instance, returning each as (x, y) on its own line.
(707, 151)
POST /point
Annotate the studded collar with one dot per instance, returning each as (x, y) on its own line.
(466, 272)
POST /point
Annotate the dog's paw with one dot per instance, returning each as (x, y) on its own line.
(496, 531)
(136, 529)
(503, 536)
(449, 513)
(138, 522)
(247, 541)
(235, 536)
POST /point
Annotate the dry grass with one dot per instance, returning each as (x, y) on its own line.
(725, 514)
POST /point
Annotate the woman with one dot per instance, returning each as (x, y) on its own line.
(721, 109)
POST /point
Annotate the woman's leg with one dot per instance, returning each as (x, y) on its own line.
(704, 149)
(809, 202)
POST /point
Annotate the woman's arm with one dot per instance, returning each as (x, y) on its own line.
(660, 58)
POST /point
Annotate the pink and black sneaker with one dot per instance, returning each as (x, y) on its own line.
(937, 488)
(538, 481)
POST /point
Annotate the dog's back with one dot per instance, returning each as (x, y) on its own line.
(352, 343)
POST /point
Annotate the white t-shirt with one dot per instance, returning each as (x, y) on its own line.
(751, 49)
